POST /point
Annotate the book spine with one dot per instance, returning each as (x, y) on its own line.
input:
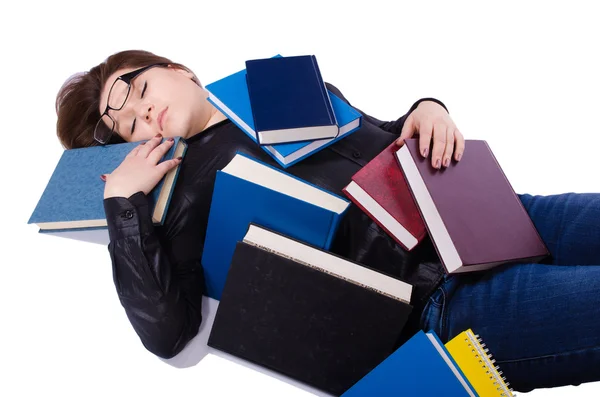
(486, 360)
(256, 127)
(166, 193)
(275, 252)
(323, 89)
(335, 219)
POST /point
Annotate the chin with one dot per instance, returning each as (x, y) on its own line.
(175, 130)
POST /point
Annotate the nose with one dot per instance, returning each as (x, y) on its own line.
(145, 111)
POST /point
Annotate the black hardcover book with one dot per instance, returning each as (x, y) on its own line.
(326, 327)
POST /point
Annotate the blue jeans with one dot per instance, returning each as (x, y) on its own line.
(540, 321)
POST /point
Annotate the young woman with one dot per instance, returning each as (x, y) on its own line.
(539, 320)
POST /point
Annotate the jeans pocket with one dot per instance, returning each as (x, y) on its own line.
(432, 313)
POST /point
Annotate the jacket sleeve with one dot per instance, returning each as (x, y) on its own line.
(161, 298)
(394, 126)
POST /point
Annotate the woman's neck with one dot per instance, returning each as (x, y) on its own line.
(215, 117)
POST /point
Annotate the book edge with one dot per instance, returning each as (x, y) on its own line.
(412, 240)
(166, 191)
(452, 364)
(446, 252)
(267, 249)
(341, 199)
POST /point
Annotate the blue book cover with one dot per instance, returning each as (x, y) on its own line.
(249, 191)
(230, 96)
(73, 199)
(420, 367)
(289, 100)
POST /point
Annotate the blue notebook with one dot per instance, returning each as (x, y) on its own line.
(249, 191)
(230, 96)
(73, 200)
(421, 367)
(289, 100)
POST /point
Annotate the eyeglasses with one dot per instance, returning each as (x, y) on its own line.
(105, 127)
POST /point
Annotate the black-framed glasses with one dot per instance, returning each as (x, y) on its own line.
(105, 127)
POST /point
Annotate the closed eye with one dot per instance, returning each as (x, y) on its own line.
(141, 96)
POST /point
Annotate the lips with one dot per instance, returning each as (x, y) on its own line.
(161, 117)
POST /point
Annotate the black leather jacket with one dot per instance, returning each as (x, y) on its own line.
(157, 270)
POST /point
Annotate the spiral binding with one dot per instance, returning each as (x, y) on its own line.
(487, 362)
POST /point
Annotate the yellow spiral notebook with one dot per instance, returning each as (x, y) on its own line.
(482, 373)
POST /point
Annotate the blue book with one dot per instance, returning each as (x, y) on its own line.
(289, 100)
(72, 204)
(230, 96)
(420, 367)
(250, 191)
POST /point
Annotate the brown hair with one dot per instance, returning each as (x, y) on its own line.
(78, 100)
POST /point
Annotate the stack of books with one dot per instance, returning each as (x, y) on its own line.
(470, 211)
(283, 105)
(290, 305)
(286, 302)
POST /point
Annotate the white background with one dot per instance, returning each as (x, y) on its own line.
(522, 75)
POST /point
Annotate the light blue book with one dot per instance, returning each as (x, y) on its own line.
(250, 191)
(72, 204)
(230, 96)
(420, 367)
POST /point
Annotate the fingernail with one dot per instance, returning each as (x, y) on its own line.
(103, 177)
(437, 163)
(159, 135)
(171, 139)
(179, 158)
(446, 162)
(459, 157)
(143, 143)
(425, 152)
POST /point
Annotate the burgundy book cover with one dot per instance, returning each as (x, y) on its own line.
(484, 218)
(383, 180)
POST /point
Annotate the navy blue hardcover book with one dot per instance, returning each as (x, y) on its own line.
(289, 100)
(73, 200)
(420, 367)
(250, 191)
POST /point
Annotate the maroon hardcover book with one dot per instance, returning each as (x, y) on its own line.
(474, 217)
(381, 191)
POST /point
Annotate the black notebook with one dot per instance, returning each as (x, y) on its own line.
(307, 313)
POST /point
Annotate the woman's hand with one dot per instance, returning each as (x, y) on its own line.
(429, 120)
(140, 170)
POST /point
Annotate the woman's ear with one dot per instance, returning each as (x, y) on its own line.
(184, 72)
(187, 73)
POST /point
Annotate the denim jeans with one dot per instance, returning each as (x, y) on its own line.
(540, 321)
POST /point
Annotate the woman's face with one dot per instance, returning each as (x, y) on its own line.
(162, 100)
